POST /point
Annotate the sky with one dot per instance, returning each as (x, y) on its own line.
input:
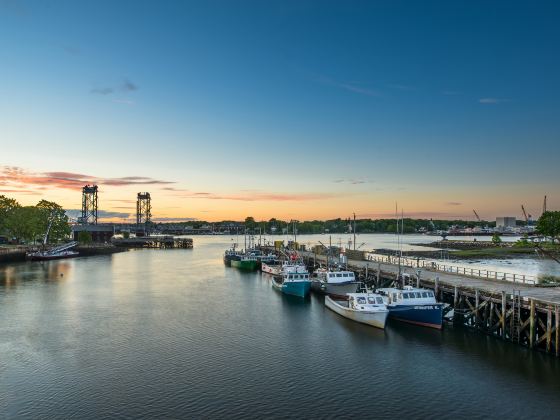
(287, 109)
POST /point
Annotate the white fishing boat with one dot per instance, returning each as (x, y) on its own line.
(367, 308)
(335, 283)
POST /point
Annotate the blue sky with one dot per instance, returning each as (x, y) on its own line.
(449, 101)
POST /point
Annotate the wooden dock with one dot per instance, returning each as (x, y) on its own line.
(521, 312)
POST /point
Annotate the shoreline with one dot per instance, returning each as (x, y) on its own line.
(15, 255)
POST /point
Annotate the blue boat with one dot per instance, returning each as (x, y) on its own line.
(415, 306)
(293, 283)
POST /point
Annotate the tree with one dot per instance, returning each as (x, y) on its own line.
(250, 222)
(85, 237)
(549, 224)
(7, 206)
(24, 224)
(50, 211)
(496, 238)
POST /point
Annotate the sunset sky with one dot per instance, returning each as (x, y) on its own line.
(286, 109)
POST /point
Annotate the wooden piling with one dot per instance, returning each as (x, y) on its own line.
(532, 323)
(557, 323)
(548, 328)
(503, 317)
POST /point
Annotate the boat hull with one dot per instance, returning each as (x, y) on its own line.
(245, 265)
(271, 269)
(294, 288)
(337, 290)
(424, 315)
(38, 257)
(376, 319)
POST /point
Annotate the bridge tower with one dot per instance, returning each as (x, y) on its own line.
(89, 205)
(143, 211)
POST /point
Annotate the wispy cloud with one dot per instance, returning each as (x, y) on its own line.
(255, 196)
(101, 214)
(124, 101)
(453, 203)
(11, 177)
(353, 181)
(492, 100)
(102, 91)
(126, 87)
(349, 86)
(19, 191)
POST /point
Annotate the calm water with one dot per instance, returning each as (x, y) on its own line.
(176, 334)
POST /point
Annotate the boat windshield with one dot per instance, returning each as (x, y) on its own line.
(375, 300)
(361, 300)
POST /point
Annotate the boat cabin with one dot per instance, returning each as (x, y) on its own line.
(365, 301)
(296, 277)
(338, 276)
(409, 296)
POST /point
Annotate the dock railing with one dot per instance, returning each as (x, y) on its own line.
(454, 269)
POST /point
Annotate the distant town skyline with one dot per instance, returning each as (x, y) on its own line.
(294, 109)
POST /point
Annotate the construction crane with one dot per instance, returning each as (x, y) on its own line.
(544, 205)
(524, 213)
(477, 216)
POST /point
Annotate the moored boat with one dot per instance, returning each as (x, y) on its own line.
(335, 283)
(246, 263)
(297, 284)
(414, 305)
(62, 251)
(367, 308)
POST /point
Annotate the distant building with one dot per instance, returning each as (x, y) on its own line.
(506, 222)
(99, 233)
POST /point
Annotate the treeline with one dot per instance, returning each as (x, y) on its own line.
(28, 224)
(339, 225)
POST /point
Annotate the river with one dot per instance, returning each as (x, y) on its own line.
(176, 334)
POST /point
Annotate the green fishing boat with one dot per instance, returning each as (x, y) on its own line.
(246, 263)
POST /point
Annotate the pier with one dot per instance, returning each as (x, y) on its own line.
(506, 306)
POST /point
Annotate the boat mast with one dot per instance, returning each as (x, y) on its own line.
(354, 231)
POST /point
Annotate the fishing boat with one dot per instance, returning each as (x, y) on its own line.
(246, 262)
(414, 305)
(367, 308)
(274, 268)
(297, 284)
(335, 283)
(231, 254)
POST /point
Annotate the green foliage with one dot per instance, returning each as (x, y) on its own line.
(85, 237)
(29, 223)
(549, 224)
(496, 238)
(522, 243)
(24, 224)
(250, 222)
(7, 207)
(50, 211)
(126, 235)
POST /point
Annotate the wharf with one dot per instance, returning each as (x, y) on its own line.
(162, 242)
(518, 310)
